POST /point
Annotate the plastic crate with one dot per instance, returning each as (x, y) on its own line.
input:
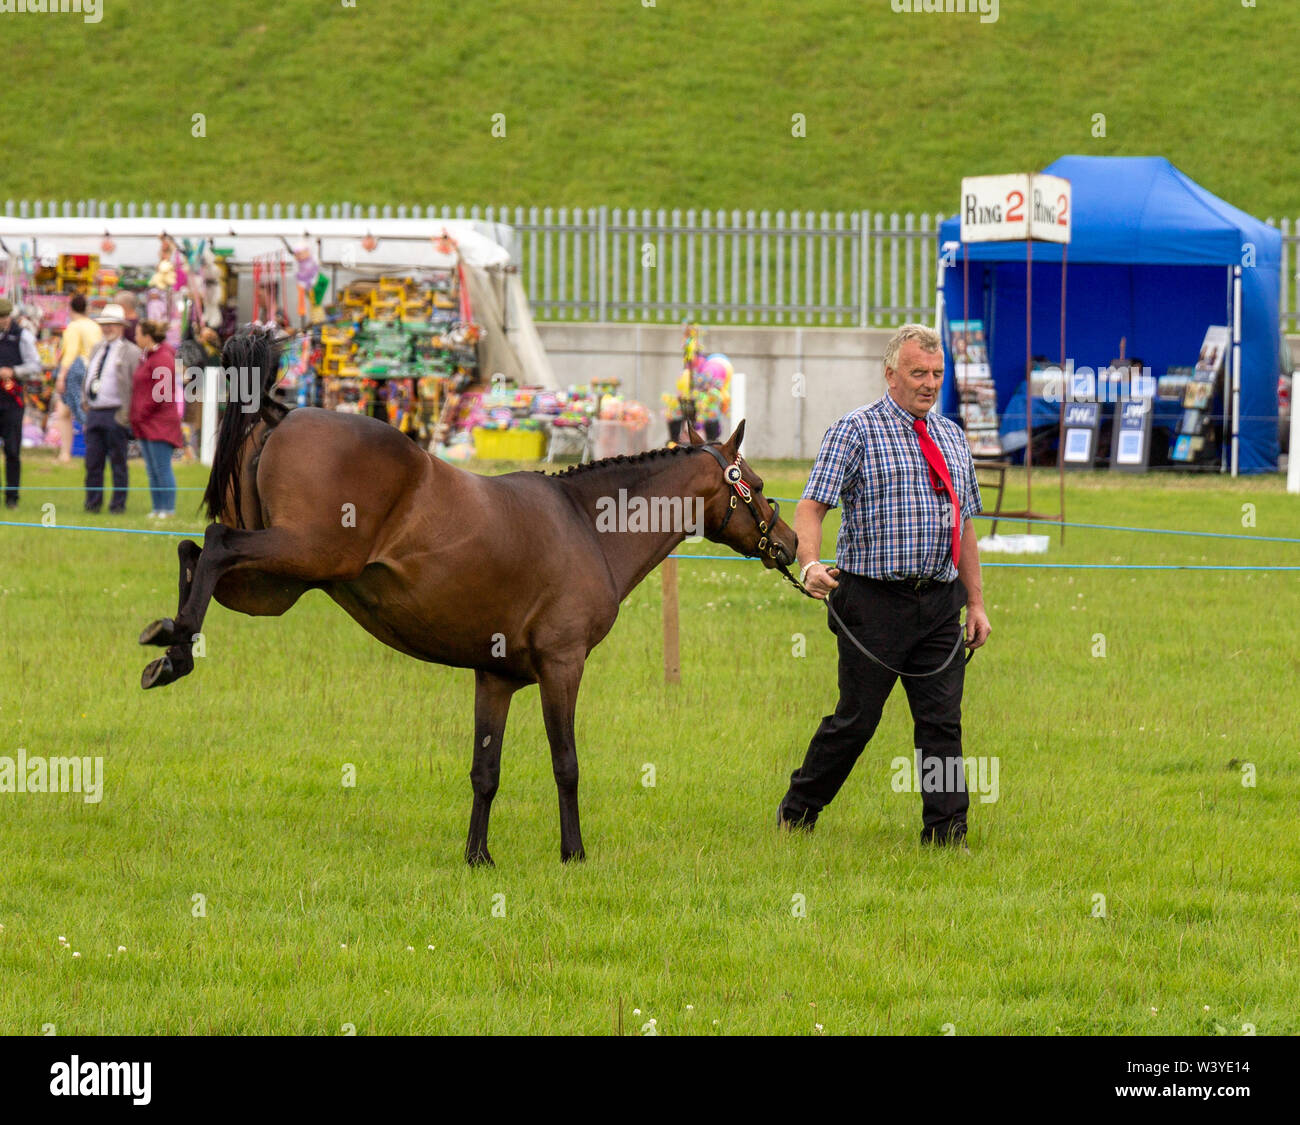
(509, 445)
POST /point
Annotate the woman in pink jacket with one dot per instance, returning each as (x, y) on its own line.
(154, 417)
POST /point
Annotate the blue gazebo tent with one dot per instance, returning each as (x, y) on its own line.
(1151, 259)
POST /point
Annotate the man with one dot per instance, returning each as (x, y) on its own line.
(80, 339)
(107, 402)
(130, 313)
(18, 360)
(906, 562)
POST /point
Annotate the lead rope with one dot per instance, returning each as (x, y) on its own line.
(961, 633)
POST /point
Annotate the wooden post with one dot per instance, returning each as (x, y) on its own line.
(672, 660)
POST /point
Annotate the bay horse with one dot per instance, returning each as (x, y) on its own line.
(516, 576)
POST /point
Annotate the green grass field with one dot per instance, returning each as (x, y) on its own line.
(329, 906)
(680, 104)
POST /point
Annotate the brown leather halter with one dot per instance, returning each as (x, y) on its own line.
(735, 477)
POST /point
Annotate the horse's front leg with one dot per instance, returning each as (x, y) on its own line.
(491, 706)
(559, 687)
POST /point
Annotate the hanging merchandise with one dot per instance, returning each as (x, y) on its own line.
(212, 274)
(703, 389)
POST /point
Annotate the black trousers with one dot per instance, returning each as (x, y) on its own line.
(11, 437)
(105, 439)
(913, 631)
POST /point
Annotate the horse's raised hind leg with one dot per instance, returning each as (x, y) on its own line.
(491, 706)
(163, 631)
(559, 685)
(275, 551)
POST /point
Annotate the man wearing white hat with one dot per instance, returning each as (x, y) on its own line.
(107, 396)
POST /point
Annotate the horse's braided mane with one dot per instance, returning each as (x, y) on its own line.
(623, 459)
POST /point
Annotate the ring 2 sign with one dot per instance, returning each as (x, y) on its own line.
(1015, 208)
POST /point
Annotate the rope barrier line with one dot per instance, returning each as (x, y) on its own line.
(107, 488)
(795, 500)
(1145, 530)
(1112, 527)
(1036, 566)
(730, 558)
(87, 527)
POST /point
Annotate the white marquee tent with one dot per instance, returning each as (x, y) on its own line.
(404, 243)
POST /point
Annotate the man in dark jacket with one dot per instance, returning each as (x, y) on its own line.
(18, 359)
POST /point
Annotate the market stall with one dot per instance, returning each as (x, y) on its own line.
(394, 318)
(1156, 261)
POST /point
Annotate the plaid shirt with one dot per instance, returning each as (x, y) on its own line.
(895, 524)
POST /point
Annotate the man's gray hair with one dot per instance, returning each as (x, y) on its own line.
(923, 334)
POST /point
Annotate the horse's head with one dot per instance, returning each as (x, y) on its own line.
(737, 513)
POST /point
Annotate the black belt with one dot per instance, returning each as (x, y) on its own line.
(915, 585)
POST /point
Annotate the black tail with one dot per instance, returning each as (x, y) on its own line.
(249, 359)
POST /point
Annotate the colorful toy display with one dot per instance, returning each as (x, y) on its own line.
(393, 347)
(703, 389)
(560, 420)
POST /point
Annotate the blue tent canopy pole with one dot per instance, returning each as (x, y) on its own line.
(1236, 365)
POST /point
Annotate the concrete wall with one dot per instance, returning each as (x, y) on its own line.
(842, 369)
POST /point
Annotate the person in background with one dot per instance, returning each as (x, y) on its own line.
(80, 339)
(208, 354)
(18, 360)
(130, 313)
(154, 417)
(107, 398)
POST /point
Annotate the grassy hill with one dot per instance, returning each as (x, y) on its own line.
(685, 103)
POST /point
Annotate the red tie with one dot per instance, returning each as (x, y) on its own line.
(943, 483)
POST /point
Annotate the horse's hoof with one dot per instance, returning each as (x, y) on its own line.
(573, 857)
(158, 673)
(161, 633)
(479, 859)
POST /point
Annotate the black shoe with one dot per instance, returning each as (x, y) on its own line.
(11, 504)
(804, 823)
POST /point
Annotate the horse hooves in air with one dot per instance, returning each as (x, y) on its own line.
(161, 632)
(161, 671)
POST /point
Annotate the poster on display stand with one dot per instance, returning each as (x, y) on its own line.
(1081, 427)
(1130, 446)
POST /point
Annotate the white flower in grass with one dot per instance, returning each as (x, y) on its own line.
(690, 1007)
(121, 948)
(1205, 1007)
(715, 1023)
(818, 1028)
(636, 1011)
(63, 940)
(430, 949)
(410, 949)
(343, 945)
(76, 954)
(1155, 1011)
